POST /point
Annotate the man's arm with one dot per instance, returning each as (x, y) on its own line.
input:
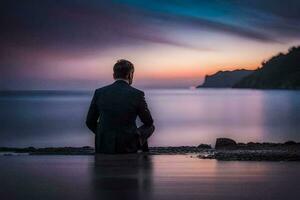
(144, 113)
(93, 115)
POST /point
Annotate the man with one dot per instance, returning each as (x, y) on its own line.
(113, 112)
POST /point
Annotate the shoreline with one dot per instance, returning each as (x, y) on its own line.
(225, 150)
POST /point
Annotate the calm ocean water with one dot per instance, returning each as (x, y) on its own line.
(182, 117)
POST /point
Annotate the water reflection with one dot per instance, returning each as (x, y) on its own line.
(137, 177)
(122, 177)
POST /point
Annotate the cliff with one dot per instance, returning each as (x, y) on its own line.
(224, 79)
(280, 72)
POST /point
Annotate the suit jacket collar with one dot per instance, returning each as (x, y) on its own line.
(122, 81)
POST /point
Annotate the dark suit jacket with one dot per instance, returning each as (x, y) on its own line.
(112, 117)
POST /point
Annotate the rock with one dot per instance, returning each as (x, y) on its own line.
(251, 144)
(225, 143)
(204, 146)
(257, 155)
(290, 143)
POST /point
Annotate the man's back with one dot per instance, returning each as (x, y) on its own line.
(112, 117)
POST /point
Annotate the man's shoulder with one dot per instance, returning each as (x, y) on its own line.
(110, 87)
(137, 91)
(101, 89)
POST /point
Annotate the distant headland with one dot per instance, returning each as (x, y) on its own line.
(225, 79)
(282, 71)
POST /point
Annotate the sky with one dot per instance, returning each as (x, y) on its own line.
(73, 44)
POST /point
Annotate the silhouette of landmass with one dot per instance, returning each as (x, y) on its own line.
(280, 72)
(224, 79)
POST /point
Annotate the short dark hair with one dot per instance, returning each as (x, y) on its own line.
(123, 68)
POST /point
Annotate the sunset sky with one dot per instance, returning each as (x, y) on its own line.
(73, 44)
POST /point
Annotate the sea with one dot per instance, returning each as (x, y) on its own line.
(182, 117)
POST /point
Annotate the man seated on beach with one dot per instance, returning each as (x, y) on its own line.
(113, 112)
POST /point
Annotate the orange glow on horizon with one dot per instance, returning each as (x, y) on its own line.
(189, 73)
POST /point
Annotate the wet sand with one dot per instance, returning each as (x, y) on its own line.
(145, 177)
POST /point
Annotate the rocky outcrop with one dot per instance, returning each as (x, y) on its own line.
(224, 79)
(86, 150)
(225, 143)
(228, 150)
(204, 146)
(257, 155)
(230, 144)
(280, 72)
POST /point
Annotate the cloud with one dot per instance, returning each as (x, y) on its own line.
(88, 25)
(66, 26)
(34, 32)
(265, 21)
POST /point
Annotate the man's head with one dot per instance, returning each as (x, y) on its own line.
(124, 69)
